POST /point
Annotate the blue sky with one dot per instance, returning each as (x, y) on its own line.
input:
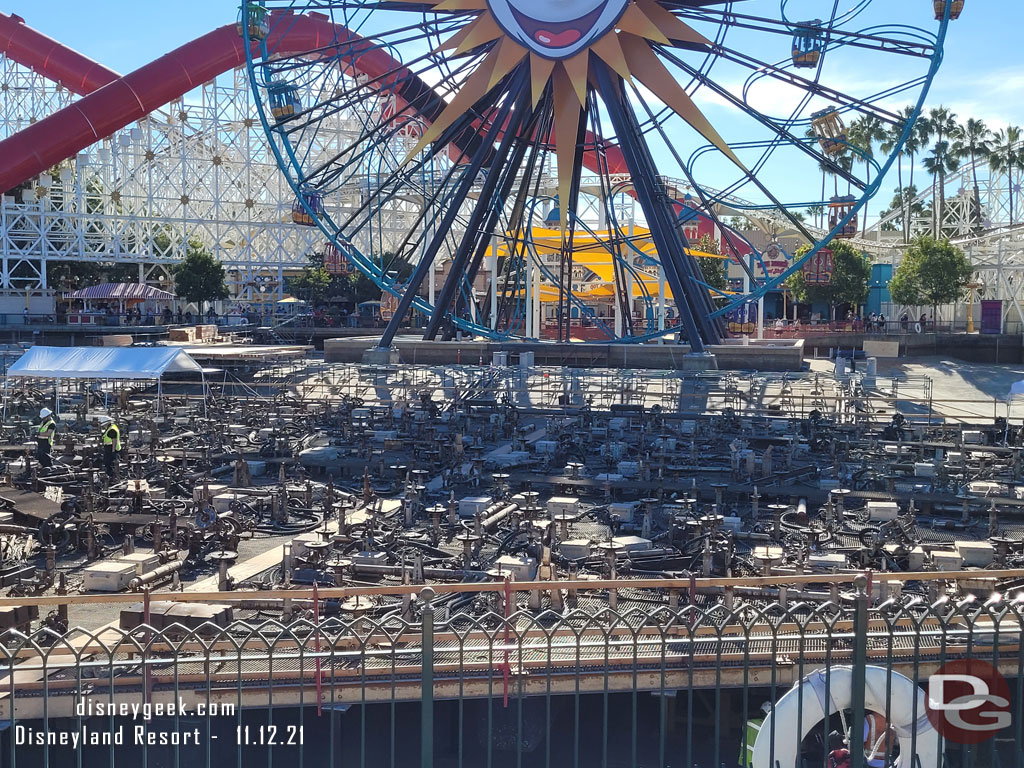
(981, 75)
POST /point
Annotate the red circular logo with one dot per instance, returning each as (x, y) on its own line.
(968, 701)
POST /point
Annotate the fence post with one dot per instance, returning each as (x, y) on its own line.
(427, 681)
(860, 659)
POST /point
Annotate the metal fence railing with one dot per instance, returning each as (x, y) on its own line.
(622, 673)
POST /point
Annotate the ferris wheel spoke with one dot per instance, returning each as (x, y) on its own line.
(778, 130)
(483, 153)
(874, 41)
(500, 179)
(706, 203)
(424, 101)
(691, 305)
(764, 69)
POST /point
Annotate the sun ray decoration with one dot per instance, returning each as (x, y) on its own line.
(496, 131)
(624, 45)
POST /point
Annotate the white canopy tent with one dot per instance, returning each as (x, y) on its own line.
(107, 363)
(102, 363)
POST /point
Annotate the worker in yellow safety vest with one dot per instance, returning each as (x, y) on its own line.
(111, 443)
(45, 435)
(753, 727)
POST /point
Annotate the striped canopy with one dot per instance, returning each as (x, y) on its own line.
(121, 292)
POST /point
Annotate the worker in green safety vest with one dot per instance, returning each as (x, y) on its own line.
(111, 444)
(753, 727)
(45, 434)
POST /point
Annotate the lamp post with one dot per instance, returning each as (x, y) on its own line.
(972, 287)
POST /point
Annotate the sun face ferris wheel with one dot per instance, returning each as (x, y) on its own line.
(523, 167)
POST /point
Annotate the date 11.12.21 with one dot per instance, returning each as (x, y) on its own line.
(269, 735)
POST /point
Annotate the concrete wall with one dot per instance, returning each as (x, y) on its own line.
(784, 355)
(975, 348)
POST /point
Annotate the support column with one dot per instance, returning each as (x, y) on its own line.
(432, 279)
(536, 308)
(492, 267)
(662, 304)
(528, 295)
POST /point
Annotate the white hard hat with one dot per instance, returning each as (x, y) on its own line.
(45, 412)
(106, 419)
(766, 708)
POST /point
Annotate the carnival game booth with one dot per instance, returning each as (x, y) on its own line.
(106, 304)
(111, 372)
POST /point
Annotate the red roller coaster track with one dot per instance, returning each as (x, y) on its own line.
(111, 102)
(110, 105)
(42, 54)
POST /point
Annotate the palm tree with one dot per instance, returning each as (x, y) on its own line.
(940, 123)
(916, 141)
(825, 171)
(905, 201)
(974, 141)
(889, 140)
(1006, 157)
(863, 134)
(939, 162)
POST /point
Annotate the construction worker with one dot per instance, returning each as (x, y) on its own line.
(838, 755)
(879, 740)
(753, 727)
(111, 444)
(45, 435)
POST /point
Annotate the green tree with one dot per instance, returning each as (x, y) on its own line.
(363, 288)
(72, 275)
(313, 284)
(715, 271)
(851, 273)
(932, 272)
(916, 142)
(199, 277)
(903, 289)
(917, 137)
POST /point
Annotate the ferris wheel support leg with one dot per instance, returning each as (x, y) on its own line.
(485, 216)
(441, 234)
(656, 206)
(509, 171)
